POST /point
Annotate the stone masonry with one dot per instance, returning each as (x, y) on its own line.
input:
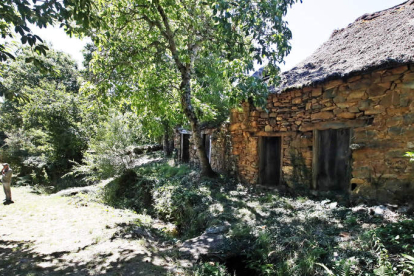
(378, 108)
(221, 158)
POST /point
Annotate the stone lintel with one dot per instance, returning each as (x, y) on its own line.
(335, 125)
(273, 134)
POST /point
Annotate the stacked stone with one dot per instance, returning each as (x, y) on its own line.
(378, 106)
(222, 159)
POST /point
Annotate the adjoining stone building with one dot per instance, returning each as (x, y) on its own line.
(217, 143)
(343, 118)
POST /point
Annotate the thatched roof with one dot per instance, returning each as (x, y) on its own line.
(380, 40)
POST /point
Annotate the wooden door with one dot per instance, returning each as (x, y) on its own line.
(185, 148)
(270, 161)
(333, 160)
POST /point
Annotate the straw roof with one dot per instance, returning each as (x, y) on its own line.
(380, 40)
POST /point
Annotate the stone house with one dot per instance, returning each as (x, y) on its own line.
(342, 119)
(217, 143)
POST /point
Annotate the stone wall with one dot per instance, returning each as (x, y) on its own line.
(378, 107)
(221, 158)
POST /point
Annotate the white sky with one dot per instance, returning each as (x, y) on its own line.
(311, 23)
(62, 42)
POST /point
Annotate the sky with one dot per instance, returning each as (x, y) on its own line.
(311, 22)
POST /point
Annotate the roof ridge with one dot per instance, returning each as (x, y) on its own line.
(370, 16)
(375, 40)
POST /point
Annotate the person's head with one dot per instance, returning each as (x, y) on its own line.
(5, 166)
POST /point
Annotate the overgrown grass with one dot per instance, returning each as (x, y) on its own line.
(172, 193)
(272, 234)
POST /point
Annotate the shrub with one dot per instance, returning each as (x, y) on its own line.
(210, 269)
(129, 191)
(106, 155)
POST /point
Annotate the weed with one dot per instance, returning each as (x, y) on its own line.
(351, 220)
(210, 269)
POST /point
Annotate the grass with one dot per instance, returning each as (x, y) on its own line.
(268, 233)
(275, 234)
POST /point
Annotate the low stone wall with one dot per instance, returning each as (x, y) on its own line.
(378, 107)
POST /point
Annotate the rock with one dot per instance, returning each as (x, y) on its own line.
(333, 205)
(365, 104)
(360, 84)
(333, 84)
(399, 70)
(339, 99)
(405, 210)
(324, 202)
(392, 207)
(357, 181)
(378, 210)
(360, 209)
(204, 245)
(345, 104)
(354, 109)
(377, 110)
(322, 115)
(264, 115)
(218, 229)
(142, 233)
(329, 108)
(358, 95)
(316, 92)
(297, 101)
(346, 115)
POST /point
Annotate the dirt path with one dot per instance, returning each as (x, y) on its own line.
(53, 235)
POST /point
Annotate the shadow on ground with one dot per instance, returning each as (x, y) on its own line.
(20, 258)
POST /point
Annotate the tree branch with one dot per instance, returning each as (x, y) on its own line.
(170, 38)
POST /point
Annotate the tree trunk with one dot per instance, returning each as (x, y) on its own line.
(166, 139)
(188, 109)
(185, 88)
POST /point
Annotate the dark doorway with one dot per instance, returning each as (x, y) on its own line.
(270, 161)
(333, 155)
(207, 143)
(185, 148)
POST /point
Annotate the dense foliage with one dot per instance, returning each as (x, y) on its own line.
(268, 234)
(198, 49)
(115, 136)
(49, 124)
(16, 15)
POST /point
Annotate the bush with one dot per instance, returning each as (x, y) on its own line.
(170, 193)
(106, 155)
(129, 191)
(210, 269)
(397, 237)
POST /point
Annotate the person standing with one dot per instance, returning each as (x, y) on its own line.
(6, 176)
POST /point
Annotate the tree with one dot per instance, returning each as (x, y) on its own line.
(15, 15)
(51, 127)
(143, 36)
(19, 75)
